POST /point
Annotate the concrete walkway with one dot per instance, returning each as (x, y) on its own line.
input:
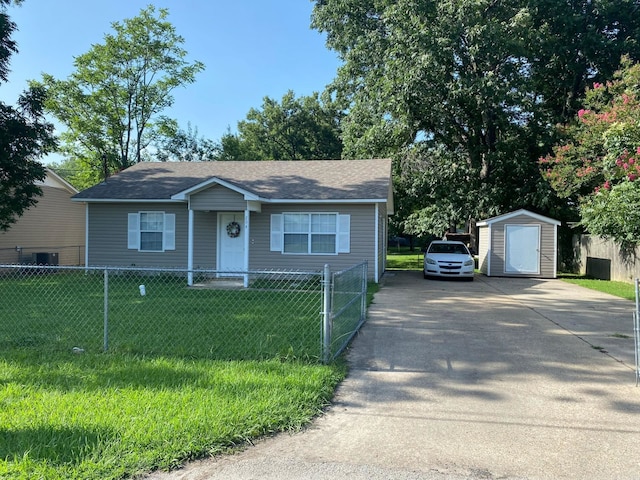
(492, 379)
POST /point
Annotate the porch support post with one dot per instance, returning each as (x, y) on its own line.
(376, 260)
(247, 232)
(86, 236)
(190, 249)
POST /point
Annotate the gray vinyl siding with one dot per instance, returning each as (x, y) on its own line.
(218, 198)
(205, 240)
(108, 231)
(362, 239)
(548, 250)
(55, 224)
(382, 239)
(547, 247)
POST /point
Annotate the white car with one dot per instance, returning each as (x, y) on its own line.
(448, 259)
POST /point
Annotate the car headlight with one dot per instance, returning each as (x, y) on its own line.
(468, 263)
(430, 261)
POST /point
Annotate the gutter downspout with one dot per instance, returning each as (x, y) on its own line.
(246, 246)
(86, 235)
(190, 247)
(376, 259)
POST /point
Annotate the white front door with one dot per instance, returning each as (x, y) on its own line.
(522, 249)
(231, 243)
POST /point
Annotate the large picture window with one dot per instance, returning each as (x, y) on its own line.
(310, 233)
(151, 231)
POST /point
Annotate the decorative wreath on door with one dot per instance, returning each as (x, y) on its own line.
(233, 229)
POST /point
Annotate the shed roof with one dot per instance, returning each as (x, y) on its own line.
(321, 180)
(522, 211)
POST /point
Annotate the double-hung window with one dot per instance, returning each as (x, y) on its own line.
(151, 231)
(310, 233)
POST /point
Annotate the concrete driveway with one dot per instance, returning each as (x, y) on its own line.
(492, 379)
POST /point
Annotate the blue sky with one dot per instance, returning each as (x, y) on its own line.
(250, 48)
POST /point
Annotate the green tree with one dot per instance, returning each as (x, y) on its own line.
(598, 165)
(24, 137)
(466, 92)
(111, 105)
(302, 128)
(176, 144)
(232, 147)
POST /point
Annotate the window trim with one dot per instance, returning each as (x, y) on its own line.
(342, 233)
(134, 234)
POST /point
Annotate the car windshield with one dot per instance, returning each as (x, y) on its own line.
(448, 248)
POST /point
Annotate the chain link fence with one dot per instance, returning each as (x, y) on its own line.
(49, 255)
(198, 314)
(348, 307)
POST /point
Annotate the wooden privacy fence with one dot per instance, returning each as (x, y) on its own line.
(605, 259)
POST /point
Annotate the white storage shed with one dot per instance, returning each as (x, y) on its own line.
(518, 244)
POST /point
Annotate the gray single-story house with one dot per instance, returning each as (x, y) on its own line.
(518, 244)
(241, 215)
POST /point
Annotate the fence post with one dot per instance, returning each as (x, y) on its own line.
(363, 304)
(326, 314)
(106, 310)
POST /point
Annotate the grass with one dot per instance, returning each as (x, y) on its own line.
(401, 258)
(114, 416)
(161, 395)
(618, 289)
(60, 311)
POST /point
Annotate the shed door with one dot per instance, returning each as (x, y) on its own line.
(231, 243)
(522, 249)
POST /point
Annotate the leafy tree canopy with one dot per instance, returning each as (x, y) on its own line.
(468, 91)
(112, 103)
(24, 137)
(303, 128)
(597, 167)
(177, 144)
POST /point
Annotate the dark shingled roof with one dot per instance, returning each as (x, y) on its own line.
(270, 180)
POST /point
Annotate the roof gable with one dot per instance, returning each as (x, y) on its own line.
(184, 195)
(522, 211)
(54, 180)
(313, 180)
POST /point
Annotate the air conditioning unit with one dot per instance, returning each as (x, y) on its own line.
(45, 258)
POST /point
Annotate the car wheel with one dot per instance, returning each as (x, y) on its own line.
(424, 274)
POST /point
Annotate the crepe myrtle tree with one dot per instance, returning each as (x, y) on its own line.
(597, 167)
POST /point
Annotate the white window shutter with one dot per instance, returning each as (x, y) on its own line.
(133, 238)
(169, 234)
(344, 233)
(276, 233)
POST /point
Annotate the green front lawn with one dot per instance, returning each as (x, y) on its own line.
(188, 372)
(57, 312)
(112, 416)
